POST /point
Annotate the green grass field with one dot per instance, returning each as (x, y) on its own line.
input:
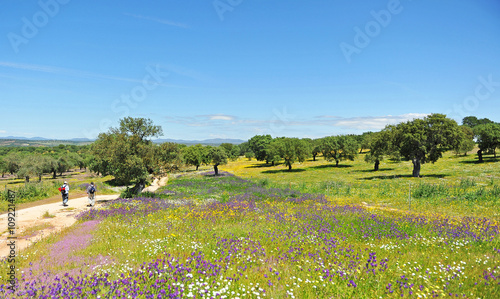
(454, 186)
(262, 232)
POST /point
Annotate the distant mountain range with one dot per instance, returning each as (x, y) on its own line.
(216, 141)
(45, 139)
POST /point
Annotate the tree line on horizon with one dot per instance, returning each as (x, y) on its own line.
(130, 156)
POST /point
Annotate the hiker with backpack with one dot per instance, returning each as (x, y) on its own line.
(91, 193)
(65, 193)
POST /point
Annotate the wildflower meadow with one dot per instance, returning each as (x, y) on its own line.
(243, 234)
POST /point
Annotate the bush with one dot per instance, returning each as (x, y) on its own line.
(129, 193)
(264, 182)
(479, 194)
(495, 192)
(33, 191)
(467, 183)
(149, 194)
(249, 155)
(429, 191)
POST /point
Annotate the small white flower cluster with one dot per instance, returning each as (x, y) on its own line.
(221, 289)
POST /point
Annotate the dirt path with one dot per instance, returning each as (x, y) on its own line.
(33, 224)
(157, 183)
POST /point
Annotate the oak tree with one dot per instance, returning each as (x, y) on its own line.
(488, 138)
(339, 148)
(425, 140)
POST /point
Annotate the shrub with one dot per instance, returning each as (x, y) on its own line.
(429, 191)
(495, 192)
(129, 193)
(249, 155)
(33, 191)
(264, 182)
(467, 183)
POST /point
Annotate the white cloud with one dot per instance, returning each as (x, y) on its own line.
(3, 131)
(327, 117)
(377, 122)
(315, 127)
(204, 120)
(220, 117)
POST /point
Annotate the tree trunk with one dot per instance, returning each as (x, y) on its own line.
(197, 167)
(216, 169)
(336, 163)
(27, 179)
(480, 155)
(416, 167)
(40, 178)
(272, 163)
(377, 163)
(290, 167)
(314, 157)
(139, 186)
(54, 174)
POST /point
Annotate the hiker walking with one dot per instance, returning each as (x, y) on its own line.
(91, 192)
(65, 193)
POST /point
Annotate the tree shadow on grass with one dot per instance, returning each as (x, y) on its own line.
(260, 165)
(16, 182)
(331, 166)
(391, 177)
(485, 160)
(371, 170)
(284, 170)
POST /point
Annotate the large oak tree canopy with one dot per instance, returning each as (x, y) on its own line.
(425, 140)
(126, 152)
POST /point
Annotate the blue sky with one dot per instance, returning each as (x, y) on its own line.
(237, 68)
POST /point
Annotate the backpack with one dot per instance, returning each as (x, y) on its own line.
(62, 189)
(92, 189)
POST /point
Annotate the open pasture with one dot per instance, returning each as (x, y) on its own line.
(453, 186)
(304, 234)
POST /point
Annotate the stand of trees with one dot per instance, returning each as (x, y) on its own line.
(35, 162)
(197, 155)
(421, 140)
(130, 156)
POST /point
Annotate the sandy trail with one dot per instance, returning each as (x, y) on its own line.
(157, 183)
(32, 226)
